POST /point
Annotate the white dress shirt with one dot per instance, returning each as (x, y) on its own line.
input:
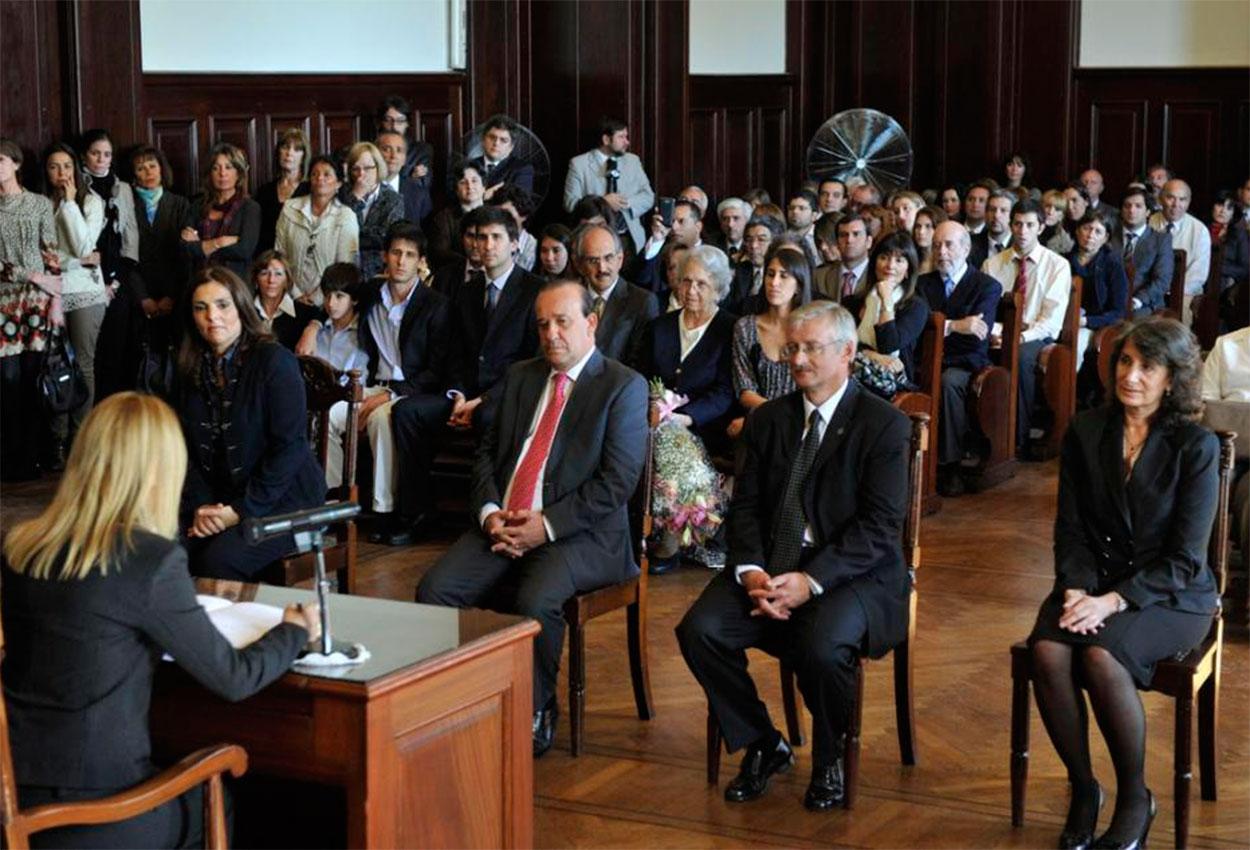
(384, 321)
(1192, 237)
(1046, 298)
(827, 410)
(1226, 373)
(574, 372)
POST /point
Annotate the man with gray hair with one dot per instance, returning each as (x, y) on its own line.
(623, 309)
(733, 213)
(815, 571)
(1188, 235)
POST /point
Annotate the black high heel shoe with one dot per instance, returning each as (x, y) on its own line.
(1081, 836)
(1103, 843)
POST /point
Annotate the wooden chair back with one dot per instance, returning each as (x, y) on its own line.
(993, 399)
(928, 398)
(324, 389)
(1206, 308)
(1059, 363)
(1175, 304)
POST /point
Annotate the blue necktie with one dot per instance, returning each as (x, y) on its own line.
(949, 284)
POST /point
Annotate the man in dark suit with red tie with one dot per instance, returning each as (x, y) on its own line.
(551, 487)
(815, 572)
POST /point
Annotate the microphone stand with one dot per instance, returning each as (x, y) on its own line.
(313, 540)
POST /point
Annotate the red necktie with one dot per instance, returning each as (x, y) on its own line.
(848, 283)
(1022, 278)
(525, 479)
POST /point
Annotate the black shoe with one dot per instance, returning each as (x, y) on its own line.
(1106, 843)
(758, 766)
(1078, 832)
(660, 566)
(950, 482)
(402, 533)
(826, 789)
(545, 727)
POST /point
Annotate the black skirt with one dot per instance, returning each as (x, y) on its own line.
(1137, 638)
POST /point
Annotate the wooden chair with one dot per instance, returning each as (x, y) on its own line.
(1206, 307)
(1175, 304)
(203, 767)
(904, 705)
(1195, 675)
(928, 399)
(323, 389)
(992, 402)
(1059, 365)
(631, 595)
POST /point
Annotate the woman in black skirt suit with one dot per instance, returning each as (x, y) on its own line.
(1138, 488)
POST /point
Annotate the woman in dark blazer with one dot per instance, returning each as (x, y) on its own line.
(243, 409)
(85, 633)
(1138, 488)
(893, 315)
(227, 225)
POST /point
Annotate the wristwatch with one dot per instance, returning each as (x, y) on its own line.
(1122, 605)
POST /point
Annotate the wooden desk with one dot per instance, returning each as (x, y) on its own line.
(430, 738)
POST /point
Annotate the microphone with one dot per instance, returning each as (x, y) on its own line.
(263, 528)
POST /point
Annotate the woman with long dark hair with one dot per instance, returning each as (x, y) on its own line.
(228, 221)
(892, 317)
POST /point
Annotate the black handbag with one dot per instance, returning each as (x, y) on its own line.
(156, 368)
(61, 382)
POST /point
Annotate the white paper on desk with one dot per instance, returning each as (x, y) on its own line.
(241, 623)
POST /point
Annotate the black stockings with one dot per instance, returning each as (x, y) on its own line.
(1060, 671)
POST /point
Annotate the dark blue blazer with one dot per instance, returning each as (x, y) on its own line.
(1153, 261)
(416, 196)
(625, 318)
(511, 170)
(1104, 287)
(423, 338)
(272, 468)
(705, 376)
(483, 348)
(904, 332)
(976, 293)
(1235, 262)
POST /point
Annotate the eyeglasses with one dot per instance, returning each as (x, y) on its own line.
(361, 169)
(810, 349)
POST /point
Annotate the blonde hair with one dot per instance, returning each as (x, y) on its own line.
(359, 151)
(124, 472)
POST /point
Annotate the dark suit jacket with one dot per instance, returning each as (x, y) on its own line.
(387, 209)
(482, 349)
(1147, 540)
(449, 277)
(1104, 287)
(904, 332)
(594, 464)
(625, 318)
(1153, 261)
(705, 376)
(981, 248)
(855, 501)
(511, 170)
(80, 656)
(1235, 262)
(163, 270)
(976, 293)
(740, 301)
(287, 329)
(236, 257)
(416, 197)
(423, 338)
(272, 469)
(444, 233)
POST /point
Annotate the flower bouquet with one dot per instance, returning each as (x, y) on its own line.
(688, 495)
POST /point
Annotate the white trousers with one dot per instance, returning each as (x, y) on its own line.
(381, 442)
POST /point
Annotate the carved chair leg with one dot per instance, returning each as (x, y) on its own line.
(713, 749)
(1183, 767)
(215, 835)
(639, 673)
(904, 707)
(790, 701)
(851, 759)
(1020, 686)
(577, 685)
(1208, 731)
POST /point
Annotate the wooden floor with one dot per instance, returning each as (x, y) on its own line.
(986, 564)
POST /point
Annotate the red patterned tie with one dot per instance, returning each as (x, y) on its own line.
(525, 479)
(1022, 278)
(848, 283)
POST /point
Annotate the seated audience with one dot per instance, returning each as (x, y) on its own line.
(969, 300)
(880, 220)
(1078, 204)
(317, 230)
(826, 236)
(1044, 279)
(449, 276)
(1230, 234)
(338, 343)
(1147, 254)
(745, 293)
(1226, 373)
(1156, 176)
(815, 570)
(519, 204)
(291, 157)
(1055, 235)
(96, 592)
(761, 371)
(686, 230)
(892, 318)
(554, 244)
(1224, 212)
(996, 236)
(1126, 595)
(622, 309)
(1091, 182)
(1016, 171)
(904, 204)
(801, 216)
(414, 190)
(27, 312)
(976, 204)
(79, 218)
(851, 270)
(756, 196)
(1104, 297)
(244, 414)
(1188, 235)
(927, 220)
(444, 228)
(497, 165)
(864, 195)
(280, 315)
(376, 205)
(491, 326)
(950, 199)
(733, 214)
(227, 225)
(671, 258)
(831, 196)
(551, 499)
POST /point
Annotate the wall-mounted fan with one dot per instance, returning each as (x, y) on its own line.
(526, 147)
(861, 143)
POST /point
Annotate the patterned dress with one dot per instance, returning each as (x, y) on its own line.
(26, 226)
(753, 370)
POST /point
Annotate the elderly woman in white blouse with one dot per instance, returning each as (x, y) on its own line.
(315, 231)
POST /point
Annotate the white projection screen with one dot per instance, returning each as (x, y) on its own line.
(302, 36)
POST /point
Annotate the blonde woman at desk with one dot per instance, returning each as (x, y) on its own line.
(96, 590)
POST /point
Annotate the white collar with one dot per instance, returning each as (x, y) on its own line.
(959, 272)
(608, 293)
(1034, 255)
(286, 305)
(575, 371)
(392, 181)
(389, 303)
(827, 409)
(499, 282)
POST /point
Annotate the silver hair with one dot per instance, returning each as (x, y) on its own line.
(743, 206)
(838, 318)
(584, 230)
(715, 263)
